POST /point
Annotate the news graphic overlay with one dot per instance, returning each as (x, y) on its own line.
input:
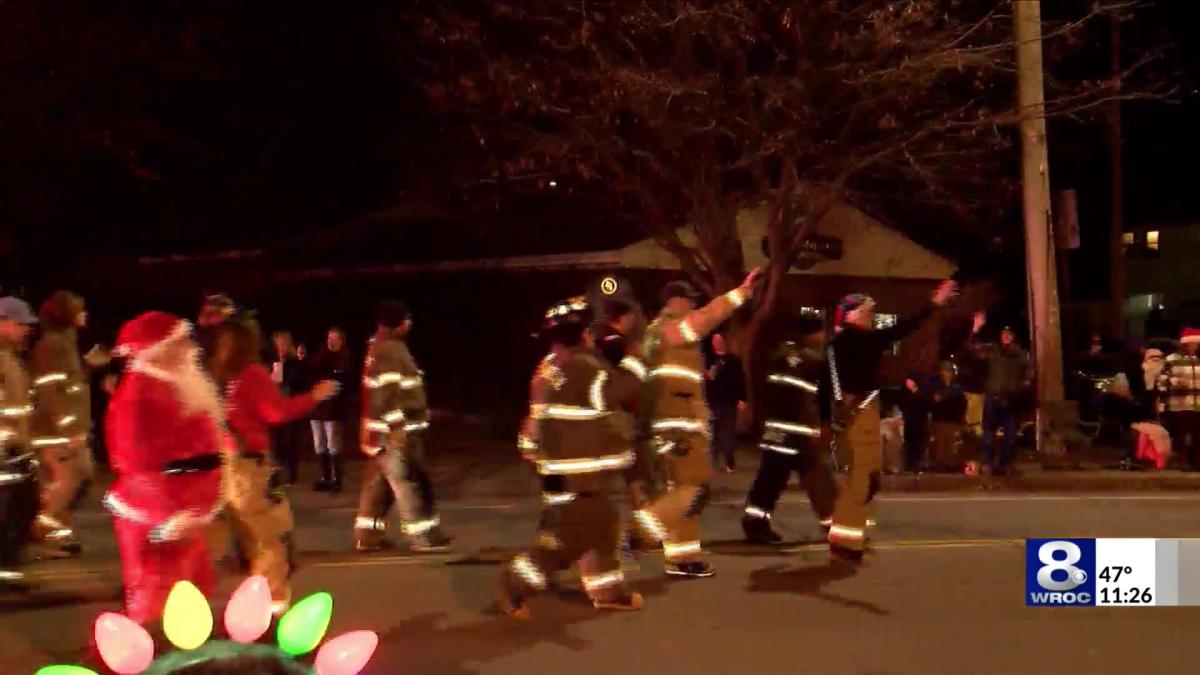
(1112, 572)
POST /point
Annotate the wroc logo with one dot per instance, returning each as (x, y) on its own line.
(1060, 571)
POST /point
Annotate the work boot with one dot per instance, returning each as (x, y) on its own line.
(433, 541)
(507, 601)
(694, 570)
(625, 602)
(759, 531)
(845, 557)
(335, 473)
(325, 482)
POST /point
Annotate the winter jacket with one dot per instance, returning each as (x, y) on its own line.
(61, 381)
(394, 402)
(1007, 370)
(334, 366)
(253, 404)
(14, 403)
(1179, 383)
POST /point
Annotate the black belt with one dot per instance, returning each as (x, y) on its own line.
(195, 464)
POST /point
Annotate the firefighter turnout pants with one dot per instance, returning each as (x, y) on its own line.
(66, 473)
(810, 462)
(397, 475)
(18, 506)
(861, 445)
(261, 518)
(674, 518)
(576, 527)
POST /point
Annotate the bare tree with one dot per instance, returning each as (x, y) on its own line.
(689, 112)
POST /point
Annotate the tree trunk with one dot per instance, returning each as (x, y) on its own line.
(745, 336)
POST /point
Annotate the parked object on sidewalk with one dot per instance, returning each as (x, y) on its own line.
(1153, 444)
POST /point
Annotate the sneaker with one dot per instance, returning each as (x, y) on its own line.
(759, 531)
(372, 545)
(508, 603)
(431, 542)
(628, 602)
(694, 570)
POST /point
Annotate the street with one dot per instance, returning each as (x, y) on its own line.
(943, 594)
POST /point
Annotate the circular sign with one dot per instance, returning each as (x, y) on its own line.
(608, 285)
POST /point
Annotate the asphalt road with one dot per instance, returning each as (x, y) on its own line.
(943, 594)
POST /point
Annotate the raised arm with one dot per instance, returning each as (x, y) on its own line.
(700, 322)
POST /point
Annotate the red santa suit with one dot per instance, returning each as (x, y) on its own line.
(166, 449)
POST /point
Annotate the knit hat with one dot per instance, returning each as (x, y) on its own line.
(849, 304)
(1189, 336)
(148, 333)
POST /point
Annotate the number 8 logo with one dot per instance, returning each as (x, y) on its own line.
(1075, 576)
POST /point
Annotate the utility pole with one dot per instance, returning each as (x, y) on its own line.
(1116, 247)
(1045, 330)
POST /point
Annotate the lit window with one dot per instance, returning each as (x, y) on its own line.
(1152, 240)
(1128, 238)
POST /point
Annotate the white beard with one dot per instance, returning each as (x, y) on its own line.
(197, 393)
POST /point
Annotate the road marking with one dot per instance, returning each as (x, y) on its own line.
(916, 544)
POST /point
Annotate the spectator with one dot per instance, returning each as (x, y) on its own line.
(726, 392)
(286, 374)
(1153, 442)
(1179, 383)
(1008, 375)
(331, 363)
(948, 412)
(914, 406)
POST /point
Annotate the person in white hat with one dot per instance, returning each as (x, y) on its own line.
(168, 450)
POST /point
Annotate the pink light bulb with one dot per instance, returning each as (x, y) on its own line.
(125, 647)
(346, 654)
(248, 614)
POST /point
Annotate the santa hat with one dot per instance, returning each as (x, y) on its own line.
(1189, 336)
(147, 334)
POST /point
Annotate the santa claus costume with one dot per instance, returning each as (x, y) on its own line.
(167, 448)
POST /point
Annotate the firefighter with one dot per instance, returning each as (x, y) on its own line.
(850, 404)
(395, 416)
(791, 438)
(18, 468)
(679, 419)
(615, 336)
(61, 423)
(577, 444)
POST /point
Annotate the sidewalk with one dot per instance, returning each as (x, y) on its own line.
(487, 471)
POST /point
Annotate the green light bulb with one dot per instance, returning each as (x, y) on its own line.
(301, 629)
(63, 669)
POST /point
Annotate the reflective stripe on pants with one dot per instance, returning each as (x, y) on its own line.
(861, 444)
(261, 517)
(397, 475)
(678, 510)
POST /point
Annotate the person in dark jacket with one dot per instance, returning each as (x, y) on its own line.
(850, 404)
(328, 421)
(914, 406)
(948, 411)
(791, 439)
(726, 391)
(1008, 376)
(287, 374)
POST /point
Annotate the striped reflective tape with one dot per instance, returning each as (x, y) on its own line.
(843, 532)
(66, 420)
(634, 366)
(366, 523)
(687, 332)
(651, 524)
(16, 411)
(678, 372)
(378, 425)
(557, 498)
(393, 416)
(780, 378)
(684, 548)
(781, 449)
(596, 391)
(755, 512)
(385, 379)
(416, 426)
(552, 411)
(737, 297)
(679, 424)
(420, 526)
(594, 583)
(526, 443)
(50, 441)
(799, 429)
(50, 378)
(552, 467)
(529, 572)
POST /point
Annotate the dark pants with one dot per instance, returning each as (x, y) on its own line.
(724, 430)
(285, 445)
(811, 465)
(18, 507)
(916, 436)
(1185, 436)
(998, 414)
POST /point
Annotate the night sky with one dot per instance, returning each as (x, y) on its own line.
(135, 129)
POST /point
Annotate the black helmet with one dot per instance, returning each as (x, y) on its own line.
(574, 311)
